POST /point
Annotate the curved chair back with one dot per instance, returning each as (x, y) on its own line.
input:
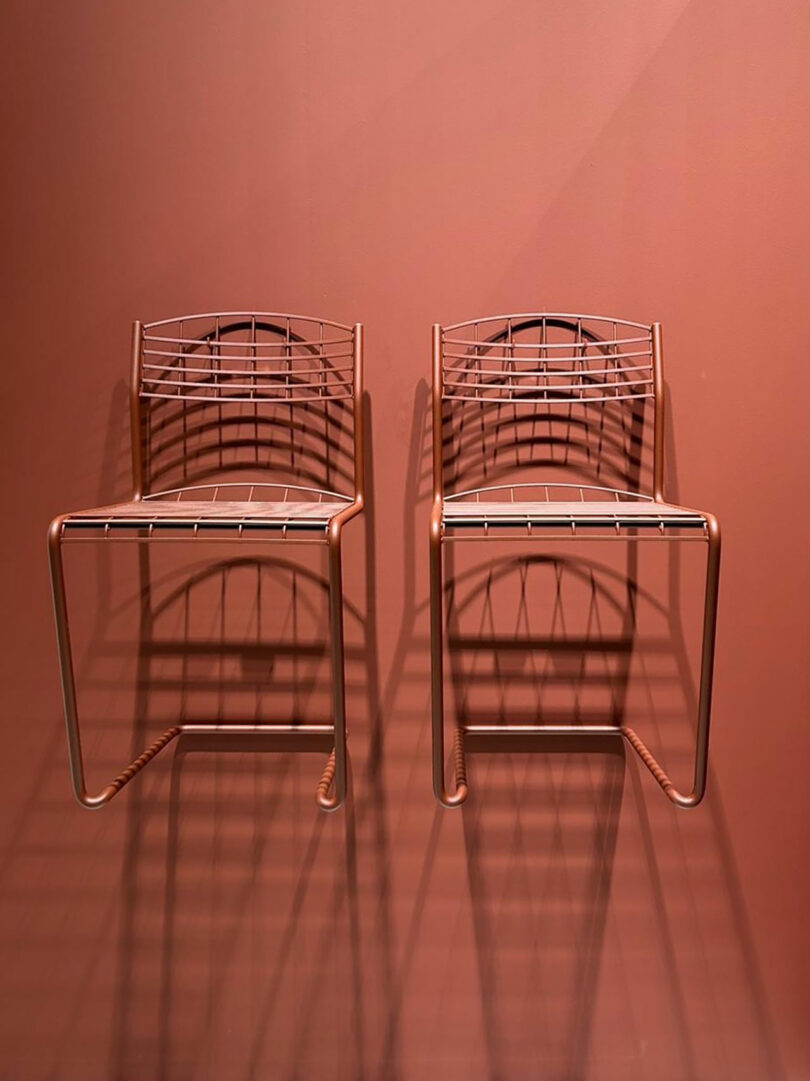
(558, 391)
(239, 393)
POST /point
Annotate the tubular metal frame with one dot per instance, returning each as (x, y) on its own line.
(151, 517)
(623, 516)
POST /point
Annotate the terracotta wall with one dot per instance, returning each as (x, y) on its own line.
(404, 164)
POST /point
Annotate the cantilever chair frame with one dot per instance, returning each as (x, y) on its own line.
(653, 524)
(175, 382)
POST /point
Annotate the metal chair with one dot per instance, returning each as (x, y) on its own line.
(218, 369)
(583, 374)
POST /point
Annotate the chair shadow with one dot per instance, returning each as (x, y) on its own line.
(250, 921)
(240, 899)
(541, 830)
(541, 838)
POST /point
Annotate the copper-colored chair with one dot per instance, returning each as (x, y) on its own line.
(555, 369)
(250, 367)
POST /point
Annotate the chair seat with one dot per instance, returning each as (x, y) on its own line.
(635, 513)
(199, 514)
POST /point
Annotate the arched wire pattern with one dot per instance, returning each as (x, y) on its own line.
(596, 360)
(548, 364)
(545, 394)
(263, 365)
(251, 393)
(246, 357)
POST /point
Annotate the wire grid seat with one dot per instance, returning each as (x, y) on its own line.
(164, 515)
(261, 365)
(553, 364)
(626, 510)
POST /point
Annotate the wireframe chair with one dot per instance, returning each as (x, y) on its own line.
(557, 370)
(201, 373)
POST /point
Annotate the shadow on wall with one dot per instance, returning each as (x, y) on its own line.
(240, 900)
(233, 931)
(572, 973)
(540, 854)
(236, 909)
(254, 924)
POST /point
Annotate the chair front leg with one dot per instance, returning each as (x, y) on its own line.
(693, 798)
(69, 691)
(335, 770)
(456, 798)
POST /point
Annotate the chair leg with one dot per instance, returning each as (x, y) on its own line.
(680, 799)
(69, 691)
(693, 798)
(336, 766)
(437, 682)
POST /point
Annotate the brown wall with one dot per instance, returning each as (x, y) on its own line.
(400, 164)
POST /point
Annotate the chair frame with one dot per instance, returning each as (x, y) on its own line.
(696, 525)
(104, 527)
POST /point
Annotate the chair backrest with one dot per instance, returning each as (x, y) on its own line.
(225, 392)
(584, 380)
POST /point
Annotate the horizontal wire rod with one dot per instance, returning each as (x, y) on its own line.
(486, 353)
(546, 485)
(250, 343)
(548, 317)
(218, 355)
(305, 320)
(549, 373)
(600, 344)
(247, 484)
(270, 535)
(326, 393)
(214, 374)
(520, 395)
(581, 385)
(647, 538)
(315, 368)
